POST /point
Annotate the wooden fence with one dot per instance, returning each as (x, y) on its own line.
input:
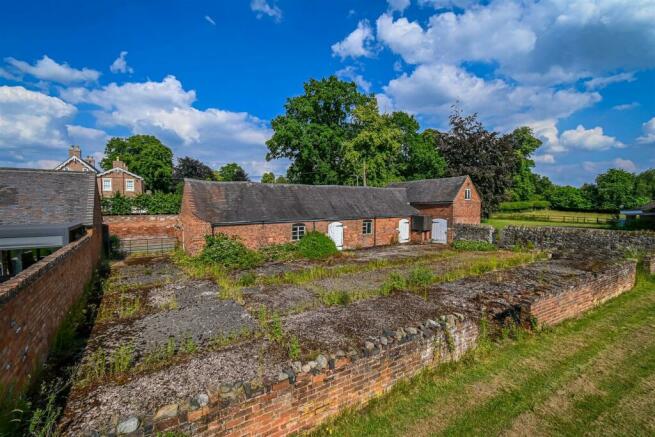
(557, 218)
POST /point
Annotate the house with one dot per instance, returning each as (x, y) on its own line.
(442, 203)
(118, 179)
(645, 213)
(267, 214)
(41, 211)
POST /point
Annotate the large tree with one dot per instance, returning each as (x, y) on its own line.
(645, 184)
(314, 129)
(268, 178)
(190, 168)
(523, 184)
(490, 159)
(420, 157)
(616, 190)
(231, 172)
(144, 155)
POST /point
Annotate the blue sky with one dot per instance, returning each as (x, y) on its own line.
(208, 76)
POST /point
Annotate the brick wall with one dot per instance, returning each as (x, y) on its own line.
(649, 263)
(467, 211)
(385, 232)
(34, 303)
(193, 230)
(142, 226)
(304, 400)
(591, 291)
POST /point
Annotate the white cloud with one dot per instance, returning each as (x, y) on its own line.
(166, 109)
(86, 136)
(431, 90)
(357, 44)
(262, 7)
(49, 70)
(626, 106)
(210, 20)
(601, 166)
(602, 82)
(120, 64)
(588, 139)
(30, 118)
(546, 158)
(625, 164)
(4, 74)
(438, 4)
(649, 132)
(350, 73)
(398, 5)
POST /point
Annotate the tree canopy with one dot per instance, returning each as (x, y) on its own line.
(231, 172)
(268, 178)
(144, 155)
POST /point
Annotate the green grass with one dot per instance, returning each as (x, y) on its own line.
(594, 375)
(557, 213)
(502, 223)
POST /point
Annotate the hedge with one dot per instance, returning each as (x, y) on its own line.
(157, 203)
(524, 206)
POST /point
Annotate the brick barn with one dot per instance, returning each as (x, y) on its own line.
(267, 214)
(441, 203)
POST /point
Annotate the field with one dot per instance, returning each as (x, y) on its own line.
(594, 376)
(547, 217)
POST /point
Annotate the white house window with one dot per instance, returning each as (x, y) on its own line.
(297, 231)
(467, 194)
(367, 227)
(106, 184)
(129, 184)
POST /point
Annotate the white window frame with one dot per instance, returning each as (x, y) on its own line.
(127, 185)
(106, 184)
(467, 194)
(367, 230)
(298, 231)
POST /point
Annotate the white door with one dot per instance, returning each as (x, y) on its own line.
(403, 231)
(440, 231)
(335, 232)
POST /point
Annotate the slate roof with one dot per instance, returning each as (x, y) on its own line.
(46, 197)
(428, 191)
(250, 202)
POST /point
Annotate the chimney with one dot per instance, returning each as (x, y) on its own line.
(119, 164)
(75, 151)
(91, 161)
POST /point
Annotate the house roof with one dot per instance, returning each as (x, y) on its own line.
(650, 207)
(250, 202)
(427, 191)
(46, 197)
(81, 161)
(111, 170)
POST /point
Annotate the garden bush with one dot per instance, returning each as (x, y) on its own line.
(229, 252)
(280, 252)
(315, 245)
(473, 245)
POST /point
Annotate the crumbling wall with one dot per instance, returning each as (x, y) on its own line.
(471, 232)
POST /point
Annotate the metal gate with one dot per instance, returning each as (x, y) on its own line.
(147, 246)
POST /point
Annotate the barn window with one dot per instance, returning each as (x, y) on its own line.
(467, 194)
(297, 231)
(367, 227)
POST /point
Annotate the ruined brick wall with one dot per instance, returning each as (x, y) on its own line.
(470, 232)
(304, 400)
(649, 263)
(192, 230)
(385, 232)
(35, 302)
(575, 239)
(142, 226)
(591, 291)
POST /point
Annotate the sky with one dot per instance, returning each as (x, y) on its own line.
(207, 77)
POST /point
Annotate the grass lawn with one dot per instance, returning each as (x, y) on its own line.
(594, 375)
(553, 212)
(500, 223)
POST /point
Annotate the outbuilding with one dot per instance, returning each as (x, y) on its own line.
(267, 214)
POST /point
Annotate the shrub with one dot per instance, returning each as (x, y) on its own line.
(156, 203)
(229, 252)
(315, 245)
(524, 205)
(473, 245)
(420, 277)
(280, 252)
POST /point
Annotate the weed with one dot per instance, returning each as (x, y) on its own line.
(275, 332)
(229, 252)
(294, 348)
(419, 277)
(330, 298)
(395, 282)
(121, 359)
(247, 279)
(465, 245)
(190, 346)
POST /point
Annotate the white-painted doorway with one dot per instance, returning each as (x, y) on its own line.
(403, 231)
(335, 232)
(440, 231)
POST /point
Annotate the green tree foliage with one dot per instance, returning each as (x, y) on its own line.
(420, 157)
(156, 203)
(268, 178)
(190, 168)
(372, 156)
(316, 245)
(617, 189)
(231, 172)
(490, 159)
(281, 180)
(523, 185)
(568, 198)
(313, 130)
(144, 155)
(645, 184)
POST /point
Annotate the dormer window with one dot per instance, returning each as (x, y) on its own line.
(467, 194)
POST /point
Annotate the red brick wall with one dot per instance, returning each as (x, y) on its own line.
(34, 303)
(118, 184)
(193, 230)
(140, 226)
(385, 231)
(599, 287)
(467, 211)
